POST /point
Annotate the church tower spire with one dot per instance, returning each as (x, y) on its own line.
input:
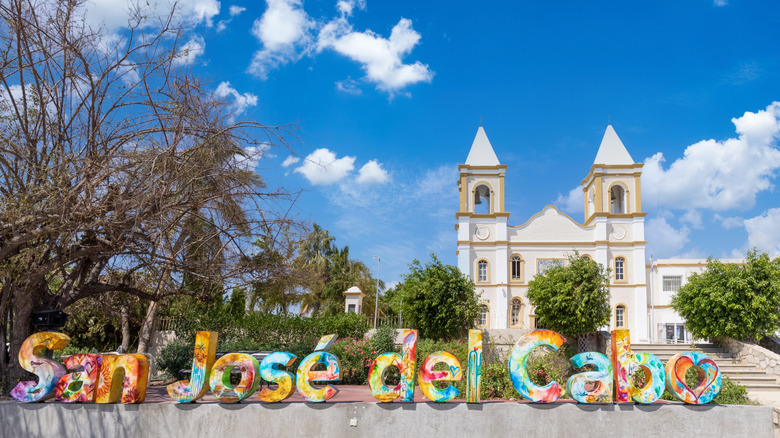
(612, 188)
(481, 153)
(481, 182)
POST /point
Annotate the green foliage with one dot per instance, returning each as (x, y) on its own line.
(355, 356)
(572, 300)
(95, 322)
(544, 366)
(732, 393)
(384, 339)
(730, 300)
(268, 332)
(71, 349)
(174, 357)
(438, 300)
(335, 272)
(496, 383)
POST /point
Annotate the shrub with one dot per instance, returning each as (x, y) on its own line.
(573, 299)
(355, 356)
(384, 339)
(544, 366)
(174, 357)
(732, 393)
(496, 383)
(438, 300)
(737, 301)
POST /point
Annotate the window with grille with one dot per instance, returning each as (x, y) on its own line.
(516, 268)
(672, 283)
(620, 263)
(620, 316)
(516, 313)
(482, 271)
(482, 319)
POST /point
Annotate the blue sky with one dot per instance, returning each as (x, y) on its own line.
(389, 95)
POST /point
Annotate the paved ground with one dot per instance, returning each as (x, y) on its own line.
(770, 398)
(347, 394)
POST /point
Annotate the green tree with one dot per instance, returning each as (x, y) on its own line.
(572, 299)
(741, 301)
(314, 253)
(438, 300)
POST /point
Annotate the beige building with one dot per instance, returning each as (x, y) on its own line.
(503, 258)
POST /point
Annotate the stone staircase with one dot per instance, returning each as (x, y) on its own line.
(746, 374)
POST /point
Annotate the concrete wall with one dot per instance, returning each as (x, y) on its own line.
(747, 352)
(160, 339)
(168, 419)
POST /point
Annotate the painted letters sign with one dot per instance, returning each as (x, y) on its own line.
(123, 378)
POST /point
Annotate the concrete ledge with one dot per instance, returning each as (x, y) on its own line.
(168, 419)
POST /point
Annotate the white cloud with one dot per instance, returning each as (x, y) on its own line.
(437, 184)
(236, 10)
(321, 167)
(190, 51)
(289, 161)
(286, 33)
(692, 217)
(381, 58)
(251, 156)
(345, 7)
(242, 101)
(573, 202)
(283, 29)
(764, 232)
(372, 173)
(720, 3)
(719, 175)
(729, 222)
(14, 99)
(349, 86)
(663, 239)
(116, 14)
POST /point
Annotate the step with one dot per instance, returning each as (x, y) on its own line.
(755, 379)
(756, 386)
(745, 373)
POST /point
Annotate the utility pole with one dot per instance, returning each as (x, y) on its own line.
(376, 298)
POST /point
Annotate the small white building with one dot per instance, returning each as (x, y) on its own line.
(501, 259)
(353, 300)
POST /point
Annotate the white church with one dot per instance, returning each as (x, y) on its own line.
(501, 259)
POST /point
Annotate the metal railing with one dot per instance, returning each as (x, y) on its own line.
(168, 323)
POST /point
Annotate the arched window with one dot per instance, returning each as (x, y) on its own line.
(516, 268)
(620, 316)
(484, 316)
(516, 313)
(482, 199)
(617, 199)
(620, 269)
(586, 257)
(482, 271)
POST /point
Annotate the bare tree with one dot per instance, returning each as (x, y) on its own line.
(111, 158)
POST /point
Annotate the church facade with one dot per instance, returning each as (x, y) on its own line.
(502, 259)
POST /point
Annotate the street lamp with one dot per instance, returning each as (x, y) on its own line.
(376, 298)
